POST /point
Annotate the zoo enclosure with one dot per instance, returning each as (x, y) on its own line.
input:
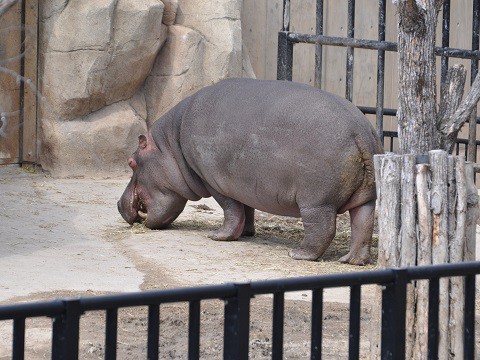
(287, 38)
(66, 313)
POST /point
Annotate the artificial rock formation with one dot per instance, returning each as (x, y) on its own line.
(96, 145)
(107, 64)
(99, 52)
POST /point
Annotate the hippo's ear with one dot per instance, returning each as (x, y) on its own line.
(142, 142)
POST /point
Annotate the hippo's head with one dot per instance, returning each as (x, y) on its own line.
(148, 197)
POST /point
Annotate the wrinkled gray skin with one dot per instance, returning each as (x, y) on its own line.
(280, 147)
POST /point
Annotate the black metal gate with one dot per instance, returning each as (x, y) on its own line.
(66, 314)
(286, 40)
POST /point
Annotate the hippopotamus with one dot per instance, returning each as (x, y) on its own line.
(277, 146)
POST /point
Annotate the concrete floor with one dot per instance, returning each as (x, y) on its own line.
(65, 237)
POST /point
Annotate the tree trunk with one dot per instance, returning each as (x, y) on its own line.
(417, 76)
(427, 212)
(421, 127)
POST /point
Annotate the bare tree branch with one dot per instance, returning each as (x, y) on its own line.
(450, 98)
(5, 5)
(466, 107)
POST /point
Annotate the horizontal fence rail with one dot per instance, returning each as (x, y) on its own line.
(66, 314)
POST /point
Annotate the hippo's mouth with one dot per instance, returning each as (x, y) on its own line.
(139, 207)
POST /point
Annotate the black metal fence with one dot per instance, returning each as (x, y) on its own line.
(66, 314)
(286, 40)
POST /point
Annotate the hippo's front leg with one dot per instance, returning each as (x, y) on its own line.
(234, 218)
(319, 223)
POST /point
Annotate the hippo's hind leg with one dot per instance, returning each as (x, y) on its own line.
(320, 226)
(249, 229)
(234, 218)
(361, 220)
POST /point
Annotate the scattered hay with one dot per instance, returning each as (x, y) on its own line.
(196, 223)
(278, 232)
(202, 207)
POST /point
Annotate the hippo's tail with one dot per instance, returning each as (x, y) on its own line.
(366, 150)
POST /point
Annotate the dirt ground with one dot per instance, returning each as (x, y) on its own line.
(65, 238)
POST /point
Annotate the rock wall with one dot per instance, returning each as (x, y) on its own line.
(110, 68)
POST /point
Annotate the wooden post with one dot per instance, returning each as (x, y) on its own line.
(408, 241)
(472, 213)
(457, 246)
(424, 257)
(428, 214)
(439, 201)
(389, 167)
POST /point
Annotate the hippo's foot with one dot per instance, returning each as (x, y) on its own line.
(222, 235)
(362, 257)
(361, 219)
(304, 253)
(248, 231)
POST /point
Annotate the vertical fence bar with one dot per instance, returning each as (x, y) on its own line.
(472, 127)
(237, 322)
(350, 50)
(111, 334)
(317, 323)
(286, 15)
(433, 308)
(394, 297)
(57, 337)
(194, 330)
(382, 8)
(445, 38)
(153, 332)
(277, 328)
(318, 47)
(18, 351)
(354, 334)
(285, 57)
(22, 85)
(469, 335)
(66, 330)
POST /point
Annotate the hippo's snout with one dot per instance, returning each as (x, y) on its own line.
(122, 212)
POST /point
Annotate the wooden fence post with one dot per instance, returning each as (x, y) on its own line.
(428, 213)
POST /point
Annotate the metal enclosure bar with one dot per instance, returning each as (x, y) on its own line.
(237, 323)
(354, 333)
(382, 9)
(350, 51)
(317, 323)
(469, 330)
(472, 127)
(445, 38)
(153, 331)
(433, 306)
(18, 343)
(111, 334)
(318, 47)
(194, 330)
(394, 297)
(278, 325)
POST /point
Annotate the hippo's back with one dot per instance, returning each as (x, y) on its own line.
(273, 144)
